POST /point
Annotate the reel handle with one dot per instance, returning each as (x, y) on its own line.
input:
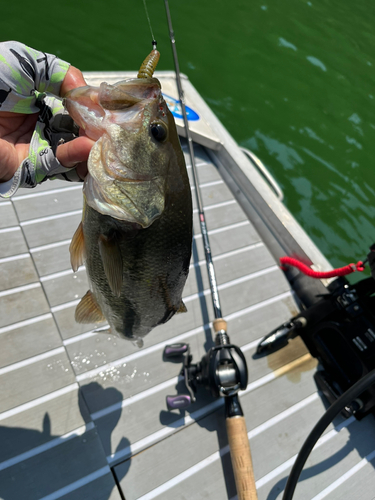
(241, 458)
(179, 401)
(173, 350)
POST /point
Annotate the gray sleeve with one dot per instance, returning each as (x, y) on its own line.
(25, 73)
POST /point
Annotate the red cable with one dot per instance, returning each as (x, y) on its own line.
(341, 271)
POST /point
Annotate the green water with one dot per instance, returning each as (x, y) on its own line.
(292, 80)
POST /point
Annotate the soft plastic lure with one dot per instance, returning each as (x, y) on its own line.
(149, 64)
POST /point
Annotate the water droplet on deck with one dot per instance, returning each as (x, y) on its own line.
(138, 342)
(289, 355)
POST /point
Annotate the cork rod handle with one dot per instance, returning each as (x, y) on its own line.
(241, 458)
(219, 324)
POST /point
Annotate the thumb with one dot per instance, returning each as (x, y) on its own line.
(72, 80)
(75, 151)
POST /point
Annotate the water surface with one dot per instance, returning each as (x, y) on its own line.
(294, 81)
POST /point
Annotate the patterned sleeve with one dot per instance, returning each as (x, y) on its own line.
(24, 73)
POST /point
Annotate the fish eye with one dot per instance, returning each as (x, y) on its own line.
(159, 132)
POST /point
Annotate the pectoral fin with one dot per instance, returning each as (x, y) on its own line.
(88, 310)
(112, 263)
(182, 308)
(77, 248)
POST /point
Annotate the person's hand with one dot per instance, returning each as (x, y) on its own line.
(17, 129)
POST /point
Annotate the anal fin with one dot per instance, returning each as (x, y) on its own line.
(112, 263)
(88, 310)
(77, 248)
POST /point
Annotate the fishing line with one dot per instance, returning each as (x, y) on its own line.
(149, 22)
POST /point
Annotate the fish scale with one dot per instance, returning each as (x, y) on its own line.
(136, 231)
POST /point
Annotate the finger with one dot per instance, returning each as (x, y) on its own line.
(82, 170)
(72, 80)
(75, 151)
(9, 161)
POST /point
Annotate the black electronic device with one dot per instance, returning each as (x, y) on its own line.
(339, 330)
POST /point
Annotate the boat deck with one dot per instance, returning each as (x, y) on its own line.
(83, 415)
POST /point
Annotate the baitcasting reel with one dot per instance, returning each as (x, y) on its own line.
(223, 371)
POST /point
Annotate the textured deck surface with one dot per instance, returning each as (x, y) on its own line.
(80, 412)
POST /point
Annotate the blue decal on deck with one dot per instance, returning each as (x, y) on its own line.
(175, 108)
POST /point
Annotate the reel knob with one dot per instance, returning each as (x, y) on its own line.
(175, 350)
(179, 401)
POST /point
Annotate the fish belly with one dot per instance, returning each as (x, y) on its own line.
(155, 263)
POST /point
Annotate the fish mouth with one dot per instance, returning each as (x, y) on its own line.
(91, 107)
(128, 93)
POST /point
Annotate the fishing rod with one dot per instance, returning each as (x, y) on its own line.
(223, 369)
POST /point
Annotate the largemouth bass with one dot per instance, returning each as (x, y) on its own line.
(136, 231)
